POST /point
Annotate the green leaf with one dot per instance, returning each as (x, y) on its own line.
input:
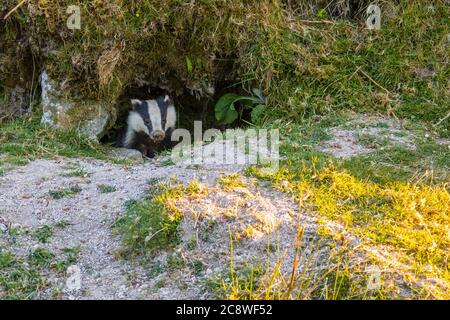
(257, 112)
(224, 109)
(231, 115)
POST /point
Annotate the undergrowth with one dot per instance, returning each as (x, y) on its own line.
(308, 57)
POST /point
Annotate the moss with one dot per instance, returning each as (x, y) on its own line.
(304, 68)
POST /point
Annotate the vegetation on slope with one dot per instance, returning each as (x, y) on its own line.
(309, 57)
(309, 62)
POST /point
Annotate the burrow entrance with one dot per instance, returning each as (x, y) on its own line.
(190, 107)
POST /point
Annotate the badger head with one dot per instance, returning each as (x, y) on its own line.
(154, 117)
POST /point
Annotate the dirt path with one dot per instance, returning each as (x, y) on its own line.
(78, 200)
(26, 203)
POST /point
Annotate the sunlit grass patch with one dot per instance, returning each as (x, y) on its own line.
(232, 181)
(410, 219)
(320, 270)
(25, 139)
(152, 224)
(429, 163)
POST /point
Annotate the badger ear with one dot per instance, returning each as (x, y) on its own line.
(135, 103)
(168, 100)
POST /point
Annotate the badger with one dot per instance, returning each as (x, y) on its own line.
(150, 125)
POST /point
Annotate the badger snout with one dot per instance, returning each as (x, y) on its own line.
(157, 135)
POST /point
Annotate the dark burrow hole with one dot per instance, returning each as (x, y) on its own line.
(190, 108)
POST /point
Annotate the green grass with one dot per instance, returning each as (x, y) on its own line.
(77, 173)
(44, 233)
(23, 140)
(429, 162)
(19, 279)
(14, 232)
(24, 277)
(318, 68)
(41, 257)
(389, 162)
(152, 224)
(71, 255)
(155, 269)
(394, 199)
(409, 220)
(64, 192)
(104, 188)
(175, 261)
(305, 69)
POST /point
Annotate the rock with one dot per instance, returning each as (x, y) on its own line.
(92, 118)
(73, 282)
(127, 154)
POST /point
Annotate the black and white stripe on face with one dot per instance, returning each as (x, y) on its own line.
(152, 115)
(167, 112)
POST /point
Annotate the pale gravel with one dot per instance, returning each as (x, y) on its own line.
(26, 204)
(344, 142)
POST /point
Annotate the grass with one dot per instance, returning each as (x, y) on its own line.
(386, 202)
(394, 199)
(152, 224)
(175, 261)
(429, 162)
(231, 182)
(24, 140)
(308, 277)
(71, 255)
(65, 192)
(45, 232)
(27, 139)
(41, 257)
(155, 270)
(24, 277)
(305, 69)
(19, 279)
(389, 162)
(77, 173)
(104, 188)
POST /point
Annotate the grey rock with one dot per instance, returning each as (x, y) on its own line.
(127, 154)
(91, 118)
